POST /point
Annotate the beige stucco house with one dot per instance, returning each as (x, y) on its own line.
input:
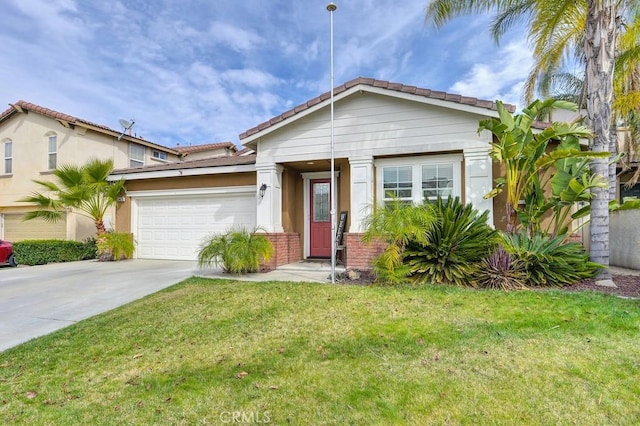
(35, 140)
(389, 139)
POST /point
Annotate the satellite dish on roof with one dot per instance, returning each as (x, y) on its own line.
(126, 125)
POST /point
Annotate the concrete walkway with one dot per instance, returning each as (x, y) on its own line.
(303, 271)
(36, 300)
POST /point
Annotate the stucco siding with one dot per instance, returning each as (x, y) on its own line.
(28, 133)
(206, 181)
(289, 208)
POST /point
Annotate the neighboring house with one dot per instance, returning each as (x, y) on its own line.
(389, 139)
(35, 140)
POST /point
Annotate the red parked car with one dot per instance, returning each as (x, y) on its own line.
(6, 254)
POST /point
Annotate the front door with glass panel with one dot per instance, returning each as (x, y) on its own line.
(320, 218)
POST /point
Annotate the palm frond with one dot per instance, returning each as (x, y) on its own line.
(439, 12)
(46, 215)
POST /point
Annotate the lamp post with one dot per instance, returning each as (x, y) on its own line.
(331, 7)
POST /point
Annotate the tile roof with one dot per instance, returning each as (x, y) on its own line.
(245, 151)
(205, 147)
(15, 108)
(194, 164)
(398, 87)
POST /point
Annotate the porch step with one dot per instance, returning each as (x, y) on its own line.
(312, 265)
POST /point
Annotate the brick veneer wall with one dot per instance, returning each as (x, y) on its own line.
(360, 255)
(574, 238)
(286, 247)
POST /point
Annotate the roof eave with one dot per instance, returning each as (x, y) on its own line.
(126, 137)
(158, 174)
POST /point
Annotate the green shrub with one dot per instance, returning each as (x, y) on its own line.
(238, 251)
(90, 250)
(502, 271)
(397, 224)
(40, 252)
(549, 261)
(115, 246)
(456, 242)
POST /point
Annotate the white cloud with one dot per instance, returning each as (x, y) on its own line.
(501, 77)
(250, 77)
(198, 71)
(233, 36)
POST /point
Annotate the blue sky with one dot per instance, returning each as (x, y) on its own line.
(202, 71)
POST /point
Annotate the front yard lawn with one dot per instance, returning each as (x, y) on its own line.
(220, 351)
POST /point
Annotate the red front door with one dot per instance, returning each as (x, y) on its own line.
(320, 220)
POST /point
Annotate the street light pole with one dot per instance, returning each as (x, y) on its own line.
(331, 7)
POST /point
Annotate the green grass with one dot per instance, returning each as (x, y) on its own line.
(330, 354)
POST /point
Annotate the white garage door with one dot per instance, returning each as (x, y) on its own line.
(173, 227)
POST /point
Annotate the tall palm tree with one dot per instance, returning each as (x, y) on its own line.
(83, 189)
(570, 86)
(579, 27)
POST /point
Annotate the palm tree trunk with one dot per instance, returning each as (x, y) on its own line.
(600, 43)
(100, 227)
(613, 149)
(103, 254)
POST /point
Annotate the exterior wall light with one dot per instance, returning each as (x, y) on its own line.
(263, 189)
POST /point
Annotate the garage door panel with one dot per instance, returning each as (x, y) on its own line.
(174, 227)
(15, 229)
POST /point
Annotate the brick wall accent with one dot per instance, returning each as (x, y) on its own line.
(286, 247)
(574, 238)
(360, 255)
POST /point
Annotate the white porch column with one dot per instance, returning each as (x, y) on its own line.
(361, 191)
(478, 180)
(269, 208)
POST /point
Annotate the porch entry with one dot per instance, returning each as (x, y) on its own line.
(320, 218)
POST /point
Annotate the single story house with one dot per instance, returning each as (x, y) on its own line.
(389, 138)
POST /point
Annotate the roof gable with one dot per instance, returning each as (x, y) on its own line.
(383, 87)
(67, 120)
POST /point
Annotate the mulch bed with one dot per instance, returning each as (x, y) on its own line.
(626, 285)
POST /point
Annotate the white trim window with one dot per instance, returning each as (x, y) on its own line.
(8, 157)
(52, 151)
(159, 155)
(136, 155)
(416, 179)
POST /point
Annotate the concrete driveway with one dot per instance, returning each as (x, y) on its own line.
(37, 300)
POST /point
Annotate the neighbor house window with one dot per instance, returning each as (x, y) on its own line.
(416, 179)
(52, 153)
(8, 157)
(160, 155)
(136, 155)
(631, 192)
